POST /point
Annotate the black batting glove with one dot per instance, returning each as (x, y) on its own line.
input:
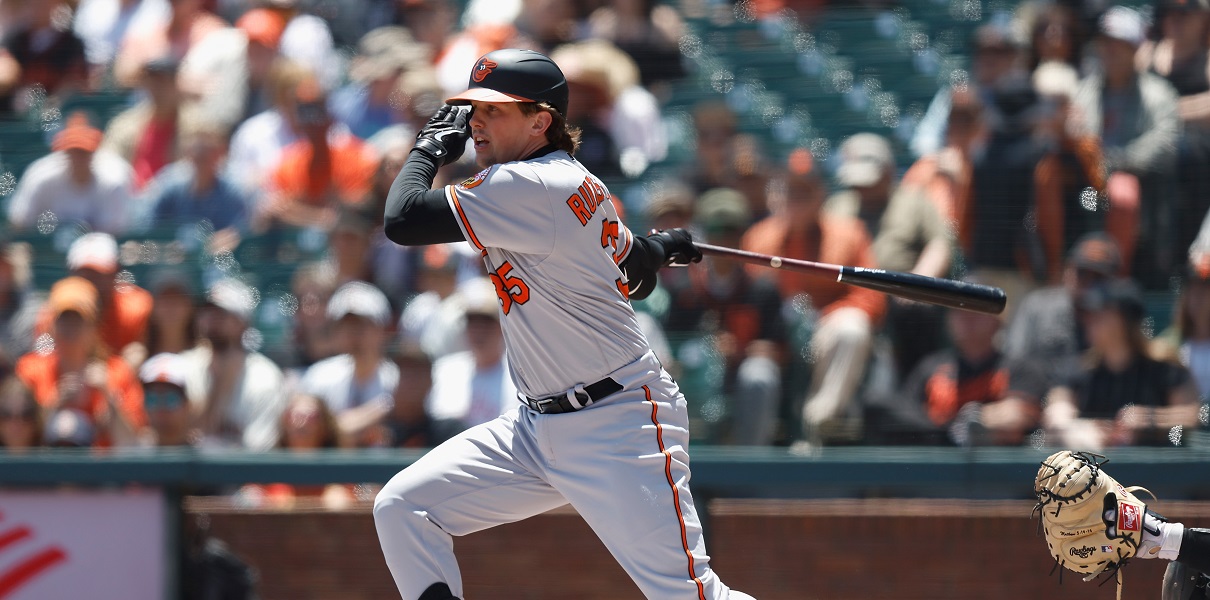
(678, 246)
(444, 136)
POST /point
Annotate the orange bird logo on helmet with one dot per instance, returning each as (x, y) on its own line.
(482, 69)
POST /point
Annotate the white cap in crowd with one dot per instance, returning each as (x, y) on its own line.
(864, 159)
(1125, 24)
(233, 296)
(96, 251)
(165, 367)
(360, 299)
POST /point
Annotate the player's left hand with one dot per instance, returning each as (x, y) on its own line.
(444, 136)
(1075, 496)
(679, 250)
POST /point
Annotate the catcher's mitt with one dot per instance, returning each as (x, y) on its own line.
(1092, 524)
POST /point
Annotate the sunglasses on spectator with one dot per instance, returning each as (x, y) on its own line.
(162, 399)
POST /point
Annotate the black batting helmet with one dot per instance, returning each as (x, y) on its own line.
(513, 75)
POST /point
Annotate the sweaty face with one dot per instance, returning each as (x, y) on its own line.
(502, 133)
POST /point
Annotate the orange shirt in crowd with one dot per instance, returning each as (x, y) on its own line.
(842, 241)
(123, 322)
(41, 373)
(349, 174)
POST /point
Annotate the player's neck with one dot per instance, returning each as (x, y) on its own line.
(542, 148)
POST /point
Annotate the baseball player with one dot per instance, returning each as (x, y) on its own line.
(600, 424)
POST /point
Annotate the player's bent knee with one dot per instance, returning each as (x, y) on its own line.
(389, 505)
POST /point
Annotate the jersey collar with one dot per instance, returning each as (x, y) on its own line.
(543, 151)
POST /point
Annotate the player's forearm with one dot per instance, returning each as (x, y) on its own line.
(415, 213)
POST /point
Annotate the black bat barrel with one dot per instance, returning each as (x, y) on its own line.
(943, 292)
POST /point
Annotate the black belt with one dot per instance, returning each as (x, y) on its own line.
(563, 403)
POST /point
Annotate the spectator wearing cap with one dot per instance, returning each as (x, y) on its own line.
(237, 395)
(21, 419)
(409, 424)
(966, 395)
(1120, 396)
(997, 58)
(847, 315)
(743, 316)
(1135, 115)
(78, 182)
(357, 384)
(227, 72)
(190, 23)
(257, 143)
(148, 134)
(75, 370)
(473, 386)
(39, 52)
(125, 308)
(369, 103)
(1047, 326)
(164, 398)
(909, 235)
(604, 85)
(670, 205)
(1187, 340)
(196, 189)
(1182, 56)
(325, 169)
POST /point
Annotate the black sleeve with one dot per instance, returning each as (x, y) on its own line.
(417, 215)
(1195, 549)
(646, 257)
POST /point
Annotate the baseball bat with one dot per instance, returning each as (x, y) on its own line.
(933, 290)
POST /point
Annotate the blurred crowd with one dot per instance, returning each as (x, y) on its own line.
(1069, 169)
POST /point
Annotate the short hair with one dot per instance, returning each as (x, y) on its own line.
(560, 134)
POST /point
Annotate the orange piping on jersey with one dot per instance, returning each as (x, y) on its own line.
(620, 256)
(462, 217)
(676, 495)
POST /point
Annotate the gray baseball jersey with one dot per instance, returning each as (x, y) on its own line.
(552, 242)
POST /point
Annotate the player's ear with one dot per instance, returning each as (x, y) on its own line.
(541, 123)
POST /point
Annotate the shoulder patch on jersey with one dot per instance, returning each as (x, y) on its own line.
(475, 180)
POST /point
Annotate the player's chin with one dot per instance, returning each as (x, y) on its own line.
(483, 159)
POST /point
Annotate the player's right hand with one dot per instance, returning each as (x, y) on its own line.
(444, 136)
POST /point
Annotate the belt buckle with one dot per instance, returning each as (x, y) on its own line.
(540, 404)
